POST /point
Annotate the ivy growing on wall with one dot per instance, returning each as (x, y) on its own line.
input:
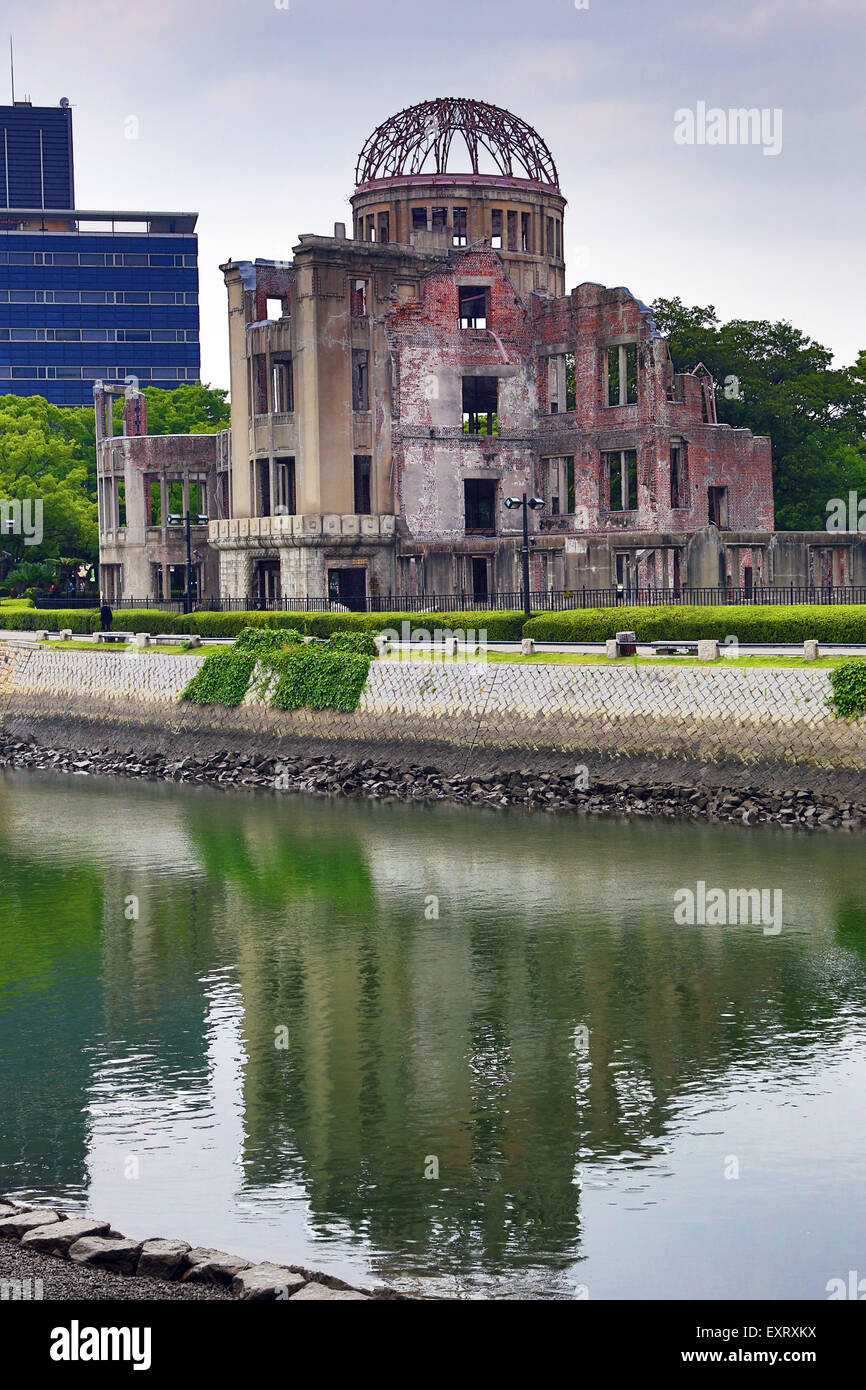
(222, 678)
(848, 680)
(289, 673)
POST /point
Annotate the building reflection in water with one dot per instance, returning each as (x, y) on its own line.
(412, 1036)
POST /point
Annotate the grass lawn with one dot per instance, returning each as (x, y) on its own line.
(591, 659)
(175, 649)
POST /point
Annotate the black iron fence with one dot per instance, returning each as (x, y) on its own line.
(557, 600)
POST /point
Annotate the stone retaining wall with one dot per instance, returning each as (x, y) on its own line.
(712, 715)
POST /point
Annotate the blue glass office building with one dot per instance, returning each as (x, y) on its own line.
(86, 296)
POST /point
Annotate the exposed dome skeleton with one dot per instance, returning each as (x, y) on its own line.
(418, 140)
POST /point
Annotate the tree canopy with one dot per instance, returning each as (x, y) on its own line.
(48, 454)
(773, 379)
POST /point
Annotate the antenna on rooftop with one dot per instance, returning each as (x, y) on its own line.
(12, 68)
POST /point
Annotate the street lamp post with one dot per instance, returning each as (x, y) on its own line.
(183, 519)
(536, 503)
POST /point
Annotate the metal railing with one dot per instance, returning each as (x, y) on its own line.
(556, 600)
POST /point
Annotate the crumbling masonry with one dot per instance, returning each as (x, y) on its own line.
(391, 389)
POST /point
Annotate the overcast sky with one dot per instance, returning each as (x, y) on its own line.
(252, 113)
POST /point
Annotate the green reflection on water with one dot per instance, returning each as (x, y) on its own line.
(410, 1036)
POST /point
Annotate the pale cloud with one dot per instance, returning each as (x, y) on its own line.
(254, 117)
(751, 21)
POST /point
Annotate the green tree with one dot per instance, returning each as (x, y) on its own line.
(39, 464)
(48, 452)
(773, 379)
(189, 409)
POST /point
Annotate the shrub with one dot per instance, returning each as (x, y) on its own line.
(79, 620)
(501, 627)
(362, 642)
(259, 640)
(848, 680)
(755, 622)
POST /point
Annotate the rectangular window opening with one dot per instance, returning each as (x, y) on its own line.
(359, 298)
(570, 382)
(479, 498)
(620, 467)
(360, 380)
(282, 386)
(459, 227)
(284, 487)
(622, 374)
(678, 474)
(480, 405)
(496, 229)
(362, 471)
(717, 506)
(472, 306)
(154, 503)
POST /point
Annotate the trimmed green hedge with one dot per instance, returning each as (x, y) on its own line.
(51, 619)
(501, 627)
(748, 622)
(755, 622)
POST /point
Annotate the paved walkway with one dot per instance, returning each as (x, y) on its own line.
(588, 648)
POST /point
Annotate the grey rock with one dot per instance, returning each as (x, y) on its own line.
(104, 1252)
(56, 1238)
(315, 1292)
(20, 1222)
(266, 1281)
(209, 1266)
(163, 1259)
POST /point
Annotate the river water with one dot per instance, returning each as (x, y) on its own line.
(462, 1051)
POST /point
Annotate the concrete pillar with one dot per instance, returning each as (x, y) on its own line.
(708, 650)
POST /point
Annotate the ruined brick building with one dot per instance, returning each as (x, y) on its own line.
(391, 388)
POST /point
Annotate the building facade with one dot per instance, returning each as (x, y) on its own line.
(146, 487)
(36, 161)
(85, 296)
(391, 390)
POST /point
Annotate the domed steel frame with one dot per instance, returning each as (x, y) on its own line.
(411, 141)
